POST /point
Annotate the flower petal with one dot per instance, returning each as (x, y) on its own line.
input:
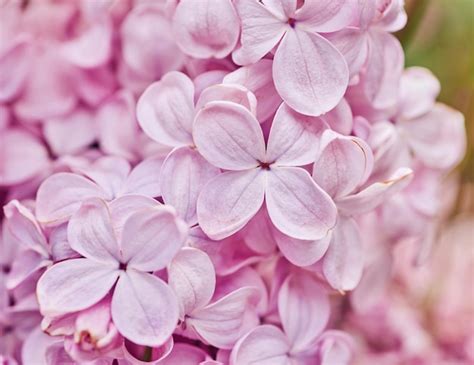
(165, 110)
(264, 345)
(14, 66)
(205, 29)
(258, 79)
(262, 28)
(74, 285)
(294, 138)
(144, 308)
(325, 15)
(304, 310)
(144, 179)
(229, 136)
(373, 195)
(342, 164)
(297, 206)
(61, 194)
(192, 277)
(309, 73)
(184, 174)
(228, 92)
(223, 322)
(152, 237)
(90, 232)
(229, 201)
(344, 262)
(22, 156)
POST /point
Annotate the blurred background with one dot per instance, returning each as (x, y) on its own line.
(440, 36)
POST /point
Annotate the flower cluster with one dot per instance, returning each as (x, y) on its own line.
(202, 181)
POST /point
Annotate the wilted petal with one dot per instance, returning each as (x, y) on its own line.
(192, 277)
(144, 178)
(90, 232)
(309, 73)
(144, 308)
(22, 156)
(184, 174)
(304, 309)
(294, 138)
(374, 195)
(264, 345)
(74, 285)
(165, 110)
(344, 261)
(205, 29)
(151, 238)
(223, 322)
(229, 201)
(229, 136)
(297, 206)
(342, 164)
(262, 28)
(61, 194)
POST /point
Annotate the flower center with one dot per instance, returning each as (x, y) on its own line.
(265, 165)
(122, 266)
(291, 22)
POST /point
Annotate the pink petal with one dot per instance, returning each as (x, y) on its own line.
(325, 15)
(310, 74)
(340, 118)
(229, 136)
(192, 277)
(342, 164)
(125, 206)
(229, 201)
(294, 138)
(353, 44)
(375, 194)
(264, 345)
(383, 69)
(139, 31)
(228, 92)
(344, 262)
(61, 194)
(74, 285)
(35, 346)
(91, 234)
(14, 66)
(144, 308)
(144, 179)
(152, 237)
(24, 228)
(58, 132)
(20, 164)
(419, 89)
(165, 110)
(206, 29)
(185, 354)
(258, 79)
(223, 322)
(259, 233)
(297, 206)
(92, 48)
(301, 252)
(117, 127)
(48, 91)
(442, 127)
(336, 347)
(304, 310)
(27, 264)
(184, 174)
(262, 28)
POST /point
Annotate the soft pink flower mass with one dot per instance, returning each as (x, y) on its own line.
(223, 182)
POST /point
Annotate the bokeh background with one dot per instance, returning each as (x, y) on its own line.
(439, 35)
